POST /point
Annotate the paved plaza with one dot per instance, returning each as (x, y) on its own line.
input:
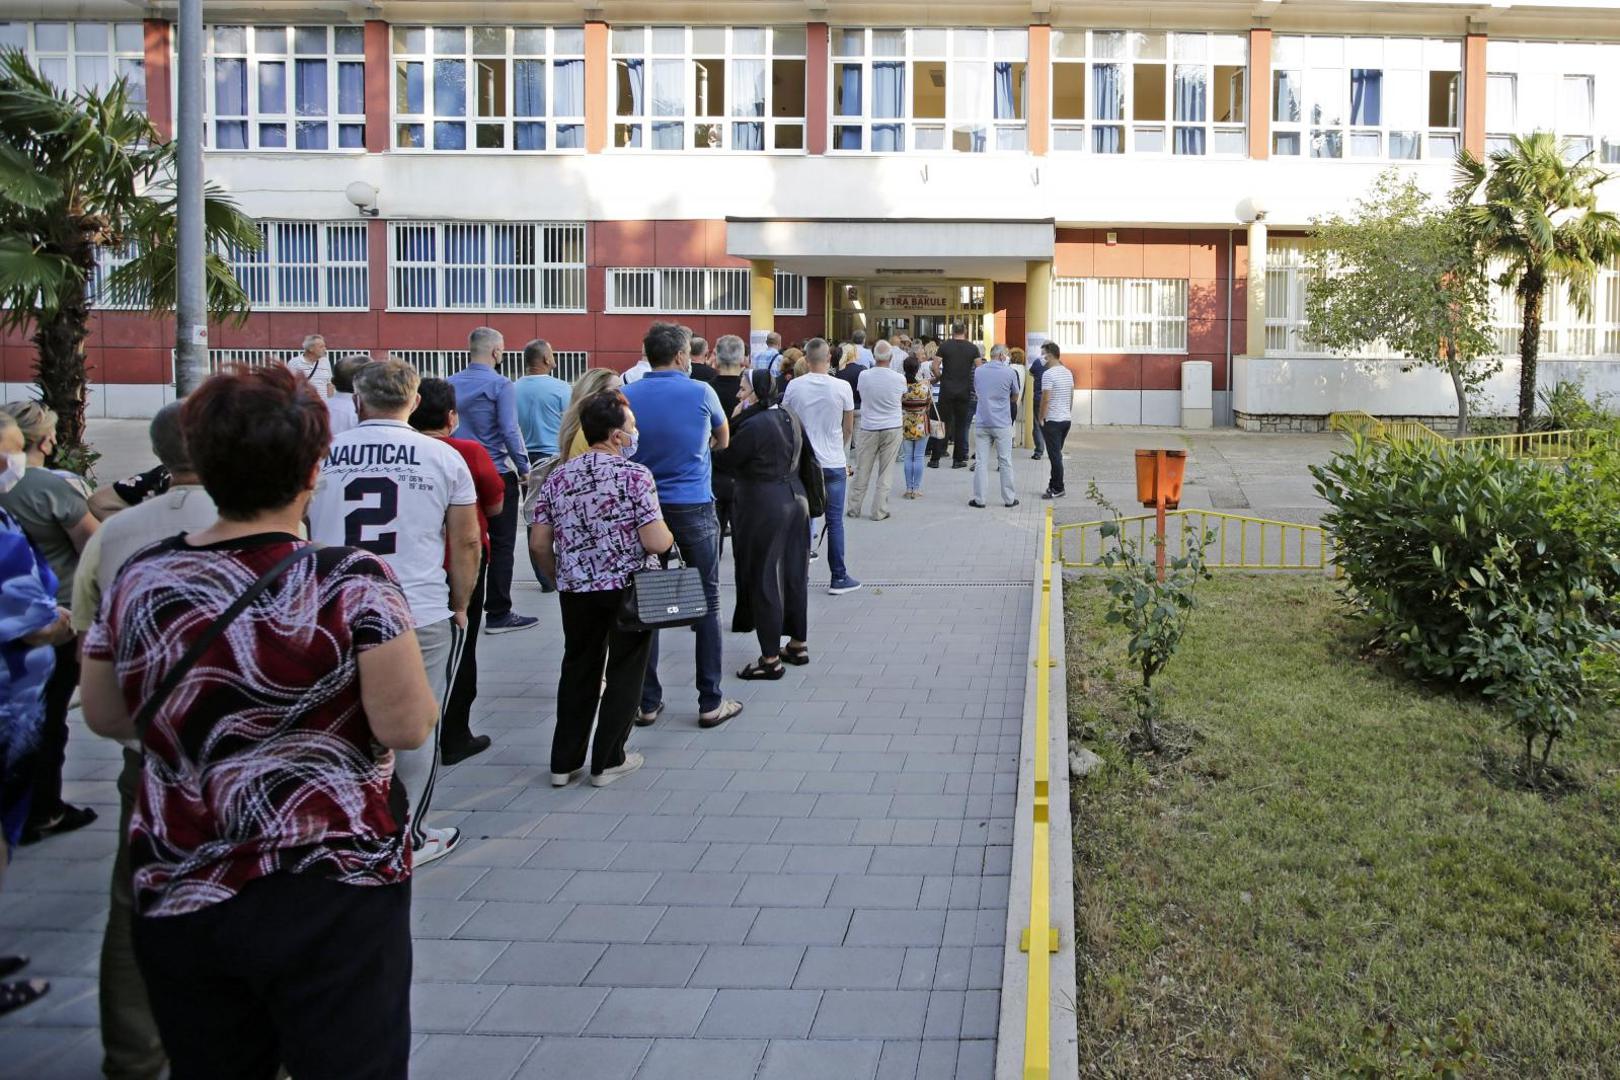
(817, 889)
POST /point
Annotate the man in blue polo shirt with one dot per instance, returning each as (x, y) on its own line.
(679, 420)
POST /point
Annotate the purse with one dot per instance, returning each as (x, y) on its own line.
(663, 597)
(936, 426)
(808, 468)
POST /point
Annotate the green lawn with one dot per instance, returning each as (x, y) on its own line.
(1328, 853)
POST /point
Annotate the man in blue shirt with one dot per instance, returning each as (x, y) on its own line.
(486, 401)
(996, 386)
(542, 398)
(1037, 368)
(679, 420)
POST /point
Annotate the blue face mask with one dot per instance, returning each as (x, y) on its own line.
(629, 449)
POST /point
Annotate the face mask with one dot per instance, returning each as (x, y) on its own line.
(16, 464)
(629, 449)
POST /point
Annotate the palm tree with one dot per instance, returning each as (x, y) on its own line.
(1535, 210)
(83, 174)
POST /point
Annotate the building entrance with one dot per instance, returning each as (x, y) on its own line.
(922, 310)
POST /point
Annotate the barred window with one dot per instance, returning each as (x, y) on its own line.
(1121, 315)
(286, 87)
(442, 363)
(696, 290)
(83, 55)
(486, 266)
(1287, 275)
(519, 88)
(1564, 331)
(306, 265)
(221, 359)
(98, 291)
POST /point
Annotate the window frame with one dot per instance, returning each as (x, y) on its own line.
(1525, 63)
(642, 124)
(568, 276)
(551, 121)
(1214, 57)
(1434, 55)
(708, 280)
(1562, 330)
(125, 63)
(254, 118)
(341, 252)
(1079, 327)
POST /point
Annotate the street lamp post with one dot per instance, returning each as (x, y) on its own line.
(191, 302)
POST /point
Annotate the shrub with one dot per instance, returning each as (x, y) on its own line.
(1567, 408)
(1480, 570)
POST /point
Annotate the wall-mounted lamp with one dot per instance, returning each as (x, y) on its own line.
(364, 197)
(1252, 209)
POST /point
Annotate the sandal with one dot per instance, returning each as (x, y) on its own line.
(65, 821)
(726, 711)
(649, 716)
(759, 669)
(14, 995)
(10, 965)
(797, 655)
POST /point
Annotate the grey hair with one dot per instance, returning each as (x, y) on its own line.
(882, 352)
(309, 342)
(858, 337)
(700, 346)
(482, 341)
(999, 352)
(816, 350)
(169, 439)
(730, 350)
(386, 386)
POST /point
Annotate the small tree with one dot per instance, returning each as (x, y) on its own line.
(1400, 271)
(1535, 211)
(1154, 613)
(80, 174)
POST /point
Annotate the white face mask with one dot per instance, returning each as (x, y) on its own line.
(16, 464)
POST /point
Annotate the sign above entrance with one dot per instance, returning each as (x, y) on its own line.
(912, 298)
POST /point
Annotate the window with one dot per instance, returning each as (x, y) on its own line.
(442, 363)
(1569, 88)
(306, 265)
(517, 88)
(1564, 332)
(486, 266)
(1121, 315)
(286, 88)
(1390, 99)
(694, 290)
(97, 291)
(83, 55)
(708, 87)
(1287, 276)
(965, 90)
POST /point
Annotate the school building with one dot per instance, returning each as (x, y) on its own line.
(1129, 180)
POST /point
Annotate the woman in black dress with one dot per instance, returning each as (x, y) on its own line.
(770, 532)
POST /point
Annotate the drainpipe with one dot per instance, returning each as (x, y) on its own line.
(1231, 286)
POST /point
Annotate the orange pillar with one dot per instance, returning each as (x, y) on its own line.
(816, 66)
(1260, 94)
(378, 72)
(159, 104)
(1473, 92)
(1040, 89)
(596, 87)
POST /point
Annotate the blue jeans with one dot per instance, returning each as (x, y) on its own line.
(697, 534)
(913, 453)
(837, 481)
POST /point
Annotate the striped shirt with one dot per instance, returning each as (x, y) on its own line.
(1058, 381)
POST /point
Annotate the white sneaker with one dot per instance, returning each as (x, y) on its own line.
(632, 762)
(562, 779)
(437, 844)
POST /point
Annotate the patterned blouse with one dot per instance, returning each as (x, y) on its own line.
(261, 761)
(595, 503)
(914, 404)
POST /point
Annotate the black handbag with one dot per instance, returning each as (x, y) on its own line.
(663, 597)
(808, 468)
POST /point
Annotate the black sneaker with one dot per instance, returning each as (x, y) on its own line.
(505, 624)
(933, 464)
(454, 755)
(64, 820)
(959, 464)
(1050, 494)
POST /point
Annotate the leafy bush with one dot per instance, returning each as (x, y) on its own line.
(1478, 569)
(1567, 408)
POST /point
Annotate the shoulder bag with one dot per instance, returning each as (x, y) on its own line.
(663, 597)
(808, 467)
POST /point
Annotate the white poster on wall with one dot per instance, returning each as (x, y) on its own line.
(1033, 340)
(756, 342)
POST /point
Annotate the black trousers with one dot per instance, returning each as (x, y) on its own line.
(294, 970)
(957, 413)
(502, 544)
(43, 765)
(1053, 433)
(455, 727)
(592, 647)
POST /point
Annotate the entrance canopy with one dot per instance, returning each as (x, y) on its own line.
(987, 250)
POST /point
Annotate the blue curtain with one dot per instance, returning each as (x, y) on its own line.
(570, 136)
(449, 88)
(633, 81)
(669, 88)
(1107, 92)
(529, 88)
(886, 138)
(270, 135)
(1107, 140)
(1366, 96)
(230, 87)
(313, 134)
(1192, 97)
(850, 96)
(272, 88)
(748, 136)
(1007, 103)
(352, 89)
(1189, 140)
(311, 91)
(413, 89)
(748, 89)
(527, 135)
(888, 93)
(669, 136)
(449, 136)
(1285, 108)
(849, 138)
(568, 87)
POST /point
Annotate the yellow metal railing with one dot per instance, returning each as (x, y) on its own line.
(1366, 424)
(1541, 445)
(1040, 937)
(1239, 543)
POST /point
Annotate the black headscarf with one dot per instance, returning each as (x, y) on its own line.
(763, 385)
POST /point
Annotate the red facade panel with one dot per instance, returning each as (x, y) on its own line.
(621, 243)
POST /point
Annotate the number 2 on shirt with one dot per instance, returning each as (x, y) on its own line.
(383, 513)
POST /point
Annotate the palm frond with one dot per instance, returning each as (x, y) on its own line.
(31, 280)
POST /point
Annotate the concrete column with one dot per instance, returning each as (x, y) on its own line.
(1473, 94)
(596, 87)
(379, 73)
(1040, 90)
(159, 48)
(762, 302)
(987, 325)
(1260, 94)
(817, 64)
(1255, 343)
(1037, 331)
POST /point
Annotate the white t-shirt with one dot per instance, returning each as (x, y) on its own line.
(864, 357)
(387, 488)
(880, 389)
(1058, 381)
(637, 370)
(820, 402)
(342, 416)
(318, 372)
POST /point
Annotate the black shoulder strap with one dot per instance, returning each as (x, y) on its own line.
(172, 677)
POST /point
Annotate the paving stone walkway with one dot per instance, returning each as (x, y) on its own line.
(817, 889)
